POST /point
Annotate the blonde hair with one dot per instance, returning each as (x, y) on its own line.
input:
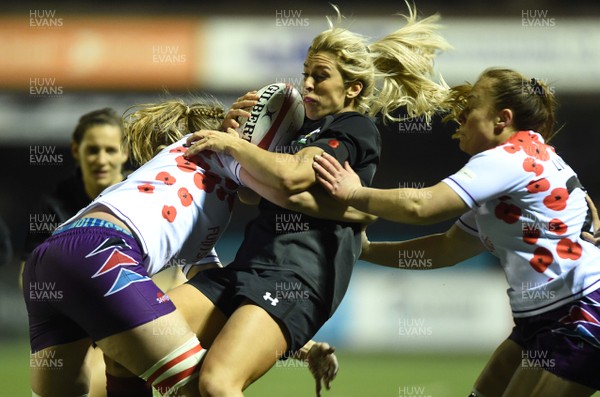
(151, 127)
(395, 71)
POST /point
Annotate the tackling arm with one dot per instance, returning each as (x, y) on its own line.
(443, 249)
(412, 206)
(289, 172)
(313, 202)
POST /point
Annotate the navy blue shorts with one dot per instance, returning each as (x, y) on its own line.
(279, 292)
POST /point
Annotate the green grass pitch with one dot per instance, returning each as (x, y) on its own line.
(360, 375)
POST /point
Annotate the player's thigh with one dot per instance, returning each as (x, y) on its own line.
(94, 361)
(59, 371)
(523, 381)
(537, 382)
(203, 317)
(500, 368)
(140, 348)
(550, 384)
(248, 346)
(169, 278)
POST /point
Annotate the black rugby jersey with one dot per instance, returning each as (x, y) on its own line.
(322, 252)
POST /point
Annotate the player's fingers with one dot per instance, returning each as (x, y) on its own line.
(200, 143)
(318, 387)
(236, 113)
(333, 165)
(325, 167)
(195, 149)
(323, 176)
(332, 161)
(243, 104)
(229, 123)
(328, 186)
(192, 139)
(249, 95)
(347, 167)
(590, 238)
(231, 131)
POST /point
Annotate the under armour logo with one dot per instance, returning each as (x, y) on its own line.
(267, 297)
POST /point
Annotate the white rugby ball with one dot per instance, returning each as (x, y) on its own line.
(275, 120)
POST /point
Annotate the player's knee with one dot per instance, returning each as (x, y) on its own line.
(176, 369)
(216, 383)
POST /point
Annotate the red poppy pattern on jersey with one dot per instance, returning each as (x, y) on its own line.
(333, 143)
(169, 213)
(167, 178)
(556, 198)
(531, 233)
(542, 258)
(146, 188)
(568, 249)
(538, 185)
(185, 165)
(507, 212)
(530, 144)
(531, 165)
(178, 149)
(557, 226)
(185, 197)
(206, 181)
(202, 178)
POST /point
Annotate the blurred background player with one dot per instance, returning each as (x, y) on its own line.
(6, 251)
(100, 157)
(531, 216)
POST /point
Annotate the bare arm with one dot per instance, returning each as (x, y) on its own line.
(436, 250)
(313, 202)
(595, 238)
(413, 206)
(292, 173)
(248, 196)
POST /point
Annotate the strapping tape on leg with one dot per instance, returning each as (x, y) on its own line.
(177, 368)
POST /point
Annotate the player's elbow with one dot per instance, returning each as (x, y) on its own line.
(296, 181)
(419, 212)
(298, 202)
(292, 186)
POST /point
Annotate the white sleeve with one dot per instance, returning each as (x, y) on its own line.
(467, 223)
(232, 167)
(488, 175)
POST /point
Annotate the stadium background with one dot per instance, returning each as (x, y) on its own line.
(398, 333)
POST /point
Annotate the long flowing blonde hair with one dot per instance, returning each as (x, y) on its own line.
(151, 127)
(395, 71)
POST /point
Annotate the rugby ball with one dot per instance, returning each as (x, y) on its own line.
(275, 120)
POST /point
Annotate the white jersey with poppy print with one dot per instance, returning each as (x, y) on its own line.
(177, 209)
(528, 209)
